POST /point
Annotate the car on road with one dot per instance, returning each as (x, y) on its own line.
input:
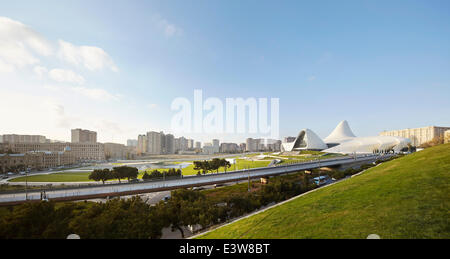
(22, 173)
(5, 177)
(10, 173)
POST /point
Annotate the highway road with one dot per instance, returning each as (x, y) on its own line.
(92, 192)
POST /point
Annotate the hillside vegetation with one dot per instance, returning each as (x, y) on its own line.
(404, 198)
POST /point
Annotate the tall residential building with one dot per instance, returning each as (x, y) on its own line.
(190, 144)
(83, 136)
(183, 144)
(229, 148)
(216, 145)
(169, 144)
(142, 144)
(418, 136)
(14, 138)
(252, 145)
(154, 142)
(198, 145)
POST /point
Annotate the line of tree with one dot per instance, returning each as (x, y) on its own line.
(204, 167)
(119, 173)
(156, 174)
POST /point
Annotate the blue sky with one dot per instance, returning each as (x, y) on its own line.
(380, 65)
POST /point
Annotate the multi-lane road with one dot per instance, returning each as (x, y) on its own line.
(109, 190)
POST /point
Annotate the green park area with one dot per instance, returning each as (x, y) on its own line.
(404, 198)
(250, 161)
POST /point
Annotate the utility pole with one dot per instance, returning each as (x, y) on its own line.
(248, 186)
(26, 186)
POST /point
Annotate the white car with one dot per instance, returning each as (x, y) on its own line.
(22, 173)
(9, 173)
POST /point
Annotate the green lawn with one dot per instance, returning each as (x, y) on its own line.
(189, 170)
(404, 198)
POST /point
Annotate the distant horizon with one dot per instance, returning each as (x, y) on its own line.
(380, 65)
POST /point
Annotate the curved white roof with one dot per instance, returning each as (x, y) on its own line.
(342, 140)
(370, 144)
(306, 139)
(340, 133)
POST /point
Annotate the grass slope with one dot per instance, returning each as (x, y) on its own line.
(404, 198)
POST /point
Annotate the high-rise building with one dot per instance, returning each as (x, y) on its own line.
(190, 144)
(216, 145)
(198, 145)
(142, 144)
(154, 143)
(83, 136)
(183, 142)
(169, 144)
(418, 136)
(252, 145)
(229, 148)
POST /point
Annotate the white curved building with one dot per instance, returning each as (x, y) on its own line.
(306, 140)
(342, 140)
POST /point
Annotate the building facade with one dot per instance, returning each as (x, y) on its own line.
(447, 136)
(81, 151)
(14, 138)
(418, 136)
(35, 160)
(83, 136)
(115, 151)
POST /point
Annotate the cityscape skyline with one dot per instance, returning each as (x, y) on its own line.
(93, 77)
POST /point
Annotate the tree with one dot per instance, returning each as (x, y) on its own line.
(101, 175)
(125, 172)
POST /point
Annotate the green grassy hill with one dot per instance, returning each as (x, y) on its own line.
(405, 198)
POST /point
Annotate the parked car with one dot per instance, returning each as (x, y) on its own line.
(22, 173)
(10, 173)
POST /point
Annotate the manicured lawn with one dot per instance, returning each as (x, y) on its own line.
(189, 170)
(60, 177)
(404, 198)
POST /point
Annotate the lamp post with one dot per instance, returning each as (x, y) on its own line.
(248, 173)
(26, 185)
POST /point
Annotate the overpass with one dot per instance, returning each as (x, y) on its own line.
(102, 191)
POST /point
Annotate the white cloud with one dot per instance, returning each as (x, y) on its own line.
(91, 57)
(65, 76)
(166, 27)
(96, 93)
(19, 45)
(40, 71)
(91, 93)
